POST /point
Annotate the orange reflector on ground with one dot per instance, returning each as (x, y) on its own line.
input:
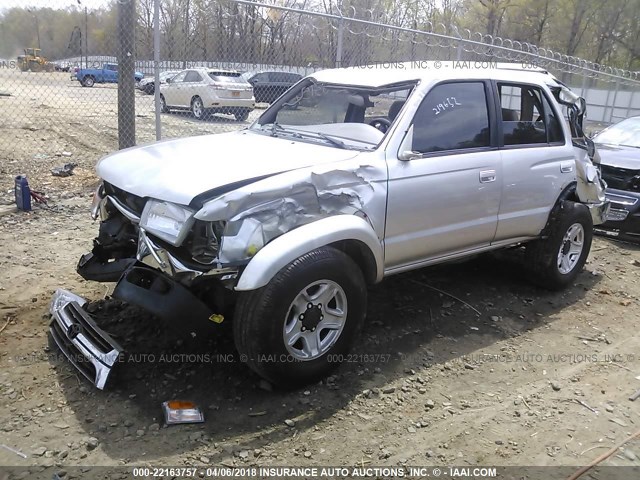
(181, 411)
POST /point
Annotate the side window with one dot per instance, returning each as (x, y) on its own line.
(552, 122)
(179, 77)
(452, 116)
(192, 77)
(527, 116)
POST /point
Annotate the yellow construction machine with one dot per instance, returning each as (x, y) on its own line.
(33, 60)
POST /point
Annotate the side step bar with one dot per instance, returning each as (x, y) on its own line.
(89, 348)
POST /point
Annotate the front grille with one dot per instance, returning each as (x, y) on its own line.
(133, 202)
(619, 178)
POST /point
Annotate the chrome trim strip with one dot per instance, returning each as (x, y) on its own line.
(621, 199)
(124, 210)
(159, 258)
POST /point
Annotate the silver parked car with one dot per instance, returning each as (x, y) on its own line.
(352, 175)
(204, 91)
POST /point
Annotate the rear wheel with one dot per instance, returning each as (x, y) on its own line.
(296, 329)
(88, 81)
(556, 260)
(242, 115)
(197, 108)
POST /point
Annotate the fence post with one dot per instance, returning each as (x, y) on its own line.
(126, 71)
(156, 66)
(613, 104)
(339, 44)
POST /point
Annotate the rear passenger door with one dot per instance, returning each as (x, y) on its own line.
(536, 160)
(191, 87)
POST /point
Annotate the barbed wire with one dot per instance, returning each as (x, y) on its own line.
(361, 24)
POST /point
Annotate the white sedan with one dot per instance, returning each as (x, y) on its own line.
(205, 91)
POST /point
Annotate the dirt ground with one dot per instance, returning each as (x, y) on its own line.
(493, 372)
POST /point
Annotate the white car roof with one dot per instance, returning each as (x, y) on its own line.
(217, 70)
(379, 75)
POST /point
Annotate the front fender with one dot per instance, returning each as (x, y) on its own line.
(286, 248)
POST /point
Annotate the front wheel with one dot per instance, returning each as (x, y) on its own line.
(297, 329)
(163, 105)
(556, 260)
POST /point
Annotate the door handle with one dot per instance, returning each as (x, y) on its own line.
(566, 167)
(487, 176)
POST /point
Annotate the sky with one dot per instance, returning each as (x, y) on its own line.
(91, 4)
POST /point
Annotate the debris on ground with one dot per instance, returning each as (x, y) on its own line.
(65, 170)
(180, 411)
(13, 450)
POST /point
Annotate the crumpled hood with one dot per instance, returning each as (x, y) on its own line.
(619, 157)
(179, 170)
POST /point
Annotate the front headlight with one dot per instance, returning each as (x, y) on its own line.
(167, 221)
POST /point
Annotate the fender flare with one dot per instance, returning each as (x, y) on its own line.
(286, 248)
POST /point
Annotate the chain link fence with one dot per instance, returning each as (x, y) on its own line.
(141, 70)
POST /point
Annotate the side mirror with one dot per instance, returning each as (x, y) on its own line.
(168, 80)
(405, 153)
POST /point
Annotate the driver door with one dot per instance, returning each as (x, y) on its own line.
(171, 90)
(445, 199)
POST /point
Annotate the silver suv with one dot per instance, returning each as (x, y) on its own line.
(351, 175)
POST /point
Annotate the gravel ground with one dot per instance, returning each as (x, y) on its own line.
(534, 378)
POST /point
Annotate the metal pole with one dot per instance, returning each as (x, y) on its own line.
(584, 84)
(37, 29)
(156, 66)
(339, 45)
(86, 39)
(126, 71)
(613, 104)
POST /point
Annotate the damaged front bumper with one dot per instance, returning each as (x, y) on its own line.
(623, 220)
(89, 348)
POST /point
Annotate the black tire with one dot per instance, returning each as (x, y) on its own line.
(149, 89)
(88, 81)
(163, 105)
(261, 316)
(543, 256)
(197, 108)
(242, 115)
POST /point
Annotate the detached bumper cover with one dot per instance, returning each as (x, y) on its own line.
(90, 349)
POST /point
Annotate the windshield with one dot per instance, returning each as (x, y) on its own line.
(626, 133)
(225, 77)
(340, 116)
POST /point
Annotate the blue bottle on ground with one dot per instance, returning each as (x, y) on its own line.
(23, 193)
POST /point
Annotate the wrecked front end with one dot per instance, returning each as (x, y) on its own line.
(182, 263)
(590, 188)
(149, 272)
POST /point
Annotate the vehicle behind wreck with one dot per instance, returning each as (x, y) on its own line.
(351, 175)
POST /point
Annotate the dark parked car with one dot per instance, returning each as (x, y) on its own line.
(268, 86)
(148, 84)
(619, 150)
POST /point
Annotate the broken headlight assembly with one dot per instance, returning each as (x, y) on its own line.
(167, 221)
(204, 243)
